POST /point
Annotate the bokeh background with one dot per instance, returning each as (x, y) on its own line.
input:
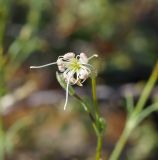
(33, 124)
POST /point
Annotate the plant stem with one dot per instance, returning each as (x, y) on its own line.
(99, 147)
(89, 113)
(94, 120)
(97, 113)
(147, 90)
(120, 145)
(133, 120)
(94, 95)
(84, 106)
(146, 112)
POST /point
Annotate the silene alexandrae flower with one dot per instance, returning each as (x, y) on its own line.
(75, 69)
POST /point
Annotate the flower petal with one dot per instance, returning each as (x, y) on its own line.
(83, 58)
(68, 56)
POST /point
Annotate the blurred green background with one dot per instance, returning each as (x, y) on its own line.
(33, 124)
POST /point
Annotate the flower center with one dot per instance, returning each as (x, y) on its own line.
(74, 65)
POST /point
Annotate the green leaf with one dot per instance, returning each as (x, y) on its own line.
(12, 132)
(101, 124)
(63, 83)
(129, 103)
(146, 112)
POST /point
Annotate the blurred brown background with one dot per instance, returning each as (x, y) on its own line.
(33, 124)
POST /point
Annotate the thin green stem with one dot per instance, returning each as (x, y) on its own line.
(93, 119)
(89, 113)
(120, 145)
(94, 95)
(97, 114)
(99, 147)
(146, 112)
(147, 90)
(129, 102)
(134, 119)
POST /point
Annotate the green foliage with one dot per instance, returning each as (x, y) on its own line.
(137, 113)
(12, 56)
(101, 124)
(122, 31)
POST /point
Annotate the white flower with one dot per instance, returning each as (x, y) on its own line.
(75, 69)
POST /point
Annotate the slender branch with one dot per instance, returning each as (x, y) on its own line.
(99, 147)
(147, 90)
(120, 145)
(129, 103)
(137, 115)
(94, 124)
(97, 113)
(94, 95)
(146, 112)
(87, 110)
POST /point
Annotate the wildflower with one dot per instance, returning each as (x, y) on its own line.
(75, 69)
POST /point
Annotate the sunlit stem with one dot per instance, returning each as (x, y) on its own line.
(99, 147)
(94, 95)
(97, 113)
(42, 66)
(120, 144)
(85, 107)
(92, 118)
(147, 90)
(137, 114)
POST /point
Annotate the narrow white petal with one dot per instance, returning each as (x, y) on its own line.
(42, 66)
(67, 93)
(95, 55)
